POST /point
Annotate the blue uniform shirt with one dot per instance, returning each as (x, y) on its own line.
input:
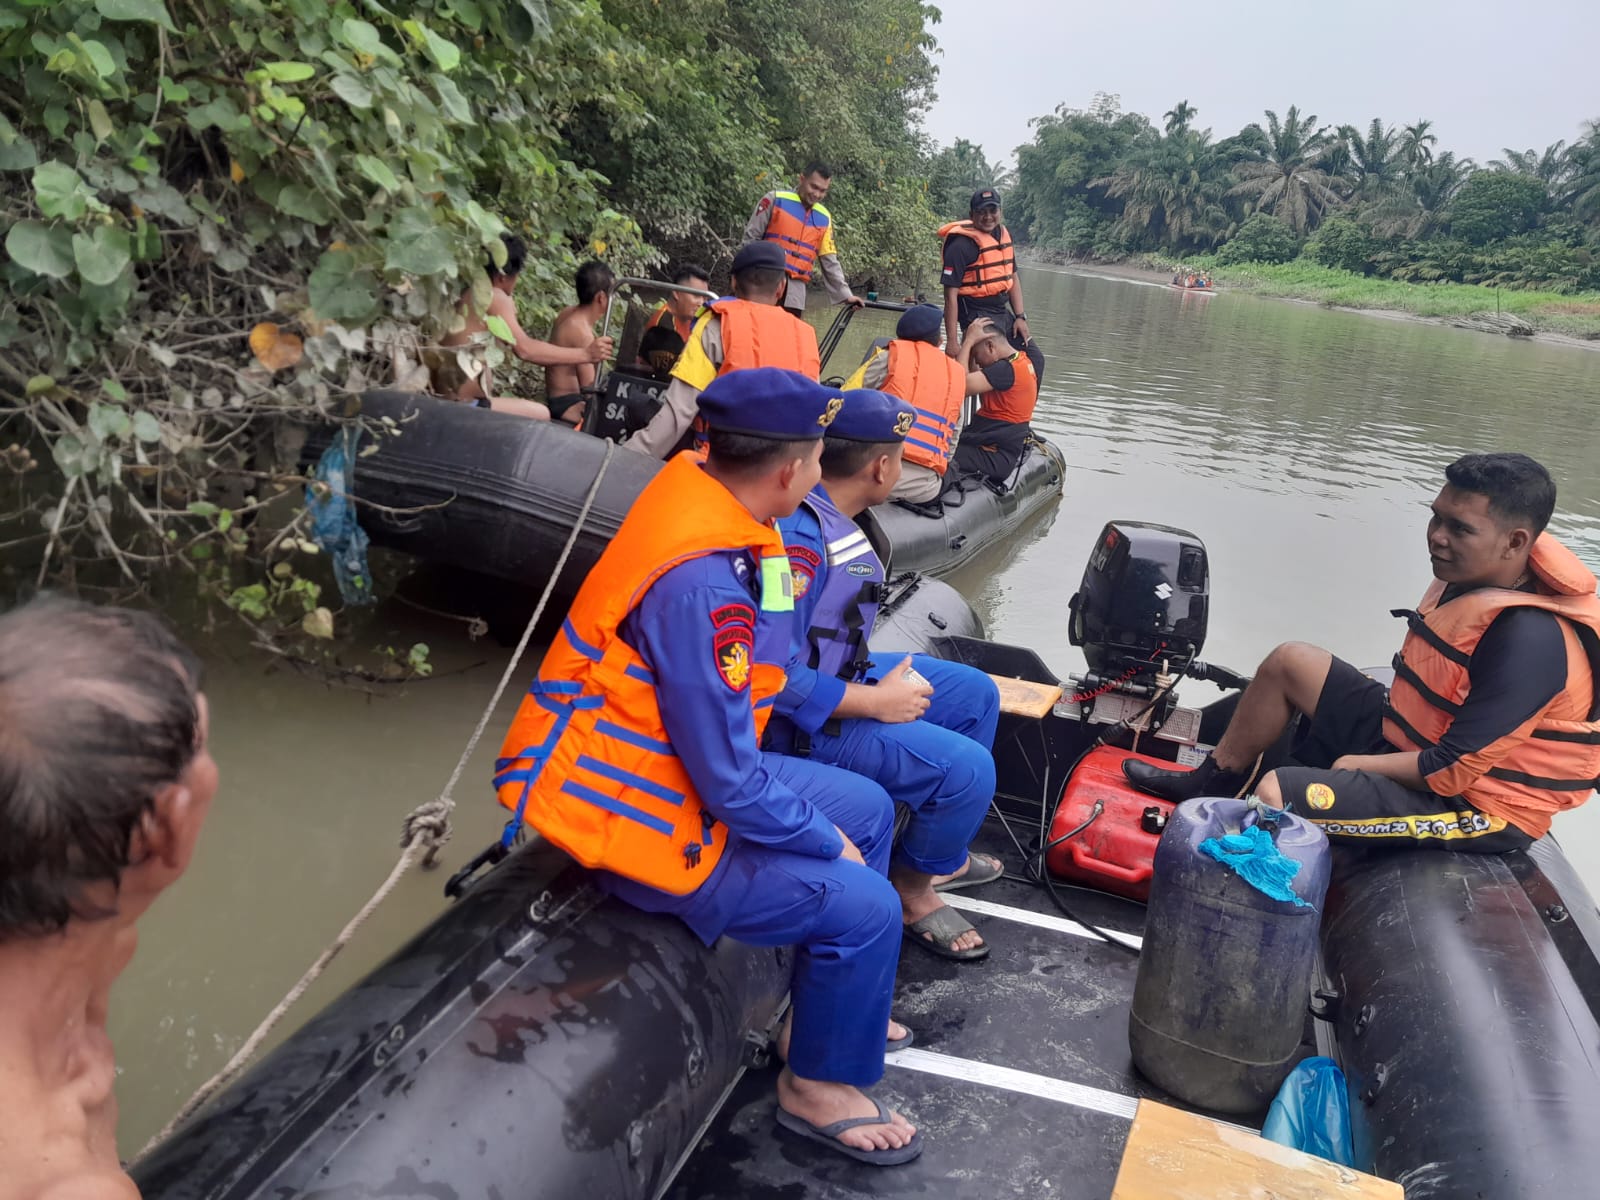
(712, 730)
(809, 697)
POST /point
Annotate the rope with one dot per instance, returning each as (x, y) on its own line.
(424, 833)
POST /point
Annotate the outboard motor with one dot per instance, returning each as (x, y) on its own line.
(1143, 601)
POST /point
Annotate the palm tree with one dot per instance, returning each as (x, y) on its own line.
(1377, 157)
(1418, 208)
(1552, 168)
(1289, 181)
(1416, 143)
(1179, 116)
(1583, 184)
(1171, 191)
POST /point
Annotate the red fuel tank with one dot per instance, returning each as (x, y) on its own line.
(1114, 854)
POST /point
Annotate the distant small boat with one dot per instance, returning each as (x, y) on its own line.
(1204, 290)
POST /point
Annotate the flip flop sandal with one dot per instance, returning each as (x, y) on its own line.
(828, 1135)
(981, 869)
(944, 925)
(890, 1045)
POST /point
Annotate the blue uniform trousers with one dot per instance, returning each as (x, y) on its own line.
(941, 767)
(842, 918)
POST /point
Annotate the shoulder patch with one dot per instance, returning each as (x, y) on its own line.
(803, 565)
(766, 203)
(733, 647)
(733, 614)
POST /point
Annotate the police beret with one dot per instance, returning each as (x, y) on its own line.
(920, 324)
(759, 255)
(770, 402)
(871, 416)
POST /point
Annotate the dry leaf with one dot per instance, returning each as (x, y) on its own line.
(275, 348)
(235, 171)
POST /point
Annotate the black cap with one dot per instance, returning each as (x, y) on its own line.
(985, 198)
(758, 256)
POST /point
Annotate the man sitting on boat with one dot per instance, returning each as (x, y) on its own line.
(980, 275)
(1490, 727)
(564, 384)
(638, 752)
(679, 310)
(911, 367)
(1006, 379)
(750, 329)
(105, 781)
(924, 734)
(472, 381)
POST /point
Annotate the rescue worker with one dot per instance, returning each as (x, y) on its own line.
(747, 330)
(678, 311)
(1006, 381)
(799, 224)
(911, 366)
(980, 274)
(926, 737)
(1490, 726)
(637, 750)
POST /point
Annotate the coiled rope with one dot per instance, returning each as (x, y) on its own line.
(424, 833)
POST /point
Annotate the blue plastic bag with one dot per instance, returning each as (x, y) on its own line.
(333, 518)
(1312, 1112)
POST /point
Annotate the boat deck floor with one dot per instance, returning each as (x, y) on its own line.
(1020, 1078)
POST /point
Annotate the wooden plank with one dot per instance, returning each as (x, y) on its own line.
(1175, 1155)
(1023, 698)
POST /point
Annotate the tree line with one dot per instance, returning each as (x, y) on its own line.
(1381, 200)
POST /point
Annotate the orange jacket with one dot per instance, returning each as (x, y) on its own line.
(995, 267)
(764, 335)
(801, 231)
(1017, 402)
(587, 761)
(665, 317)
(934, 384)
(1552, 762)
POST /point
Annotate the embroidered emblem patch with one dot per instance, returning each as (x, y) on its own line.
(733, 646)
(1319, 796)
(803, 565)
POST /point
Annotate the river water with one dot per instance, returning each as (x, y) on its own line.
(1302, 445)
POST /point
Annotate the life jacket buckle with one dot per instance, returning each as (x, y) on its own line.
(691, 856)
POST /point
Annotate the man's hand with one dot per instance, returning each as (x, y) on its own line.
(600, 349)
(1020, 327)
(897, 699)
(849, 853)
(855, 301)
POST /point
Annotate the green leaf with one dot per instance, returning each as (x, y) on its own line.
(136, 10)
(100, 121)
(498, 327)
(146, 428)
(351, 90)
(68, 453)
(103, 255)
(108, 421)
(445, 54)
(100, 59)
(39, 385)
(361, 37)
(298, 200)
(202, 508)
(221, 112)
(378, 171)
(286, 72)
(177, 93)
(416, 245)
(41, 249)
(225, 520)
(59, 191)
(114, 389)
(339, 291)
(451, 100)
(18, 156)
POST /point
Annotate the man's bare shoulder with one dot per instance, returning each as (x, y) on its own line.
(99, 1184)
(572, 328)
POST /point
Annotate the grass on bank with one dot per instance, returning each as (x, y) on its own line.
(1575, 315)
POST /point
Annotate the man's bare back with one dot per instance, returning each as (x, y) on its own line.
(573, 328)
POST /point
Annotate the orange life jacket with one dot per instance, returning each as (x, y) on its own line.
(1017, 402)
(996, 264)
(799, 230)
(667, 319)
(1552, 763)
(934, 384)
(764, 335)
(587, 761)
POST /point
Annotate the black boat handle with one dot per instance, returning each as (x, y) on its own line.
(958, 541)
(489, 856)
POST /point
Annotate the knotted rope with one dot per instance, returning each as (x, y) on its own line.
(424, 833)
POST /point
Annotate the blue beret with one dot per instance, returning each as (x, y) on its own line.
(770, 402)
(920, 324)
(871, 416)
(756, 255)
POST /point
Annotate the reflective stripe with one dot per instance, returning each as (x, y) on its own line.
(848, 540)
(613, 730)
(620, 807)
(628, 779)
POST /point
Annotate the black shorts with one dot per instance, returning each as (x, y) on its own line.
(1368, 809)
(558, 405)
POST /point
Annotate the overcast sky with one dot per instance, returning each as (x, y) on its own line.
(1488, 73)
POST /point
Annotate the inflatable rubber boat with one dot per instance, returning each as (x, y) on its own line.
(540, 1040)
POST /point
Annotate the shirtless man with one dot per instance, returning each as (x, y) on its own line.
(574, 328)
(105, 780)
(480, 389)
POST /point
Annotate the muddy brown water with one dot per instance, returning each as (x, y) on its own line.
(1302, 445)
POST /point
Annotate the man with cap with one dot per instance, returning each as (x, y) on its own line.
(637, 750)
(747, 329)
(980, 274)
(911, 367)
(920, 727)
(798, 224)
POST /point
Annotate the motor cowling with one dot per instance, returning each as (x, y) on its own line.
(1145, 597)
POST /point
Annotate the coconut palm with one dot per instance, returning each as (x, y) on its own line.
(1377, 158)
(1289, 181)
(1179, 116)
(1552, 168)
(1418, 208)
(1171, 191)
(1416, 143)
(1582, 192)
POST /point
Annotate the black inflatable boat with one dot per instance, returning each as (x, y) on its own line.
(539, 1040)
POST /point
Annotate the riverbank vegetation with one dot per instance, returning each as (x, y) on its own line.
(225, 219)
(1344, 203)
